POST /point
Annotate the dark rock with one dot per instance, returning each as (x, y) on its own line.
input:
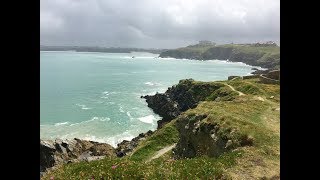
(102, 149)
(47, 151)
(258, 72)
(246, 141)
(273, 74)
(125, 147)
(66, 151)
(149, 133)
(121, 154)
(179, 98)
(200, 138)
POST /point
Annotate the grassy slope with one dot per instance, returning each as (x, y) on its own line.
(247, 113)
(262, 56)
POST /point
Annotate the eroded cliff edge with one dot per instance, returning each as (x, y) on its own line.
(186, 95)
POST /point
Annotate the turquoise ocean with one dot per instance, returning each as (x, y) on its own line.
(96, 96)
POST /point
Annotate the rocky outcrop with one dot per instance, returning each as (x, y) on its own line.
(198, 137)
(181, 97)
(266, 80)
(272, 77)
(258, 72)
(65, 151)
(273, 74)
(125, 147)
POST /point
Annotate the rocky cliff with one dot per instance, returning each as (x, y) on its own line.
(58, 152)
(184, 96)
(126, 147)
(197, 137)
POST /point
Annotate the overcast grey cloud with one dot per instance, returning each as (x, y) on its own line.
(157, 23)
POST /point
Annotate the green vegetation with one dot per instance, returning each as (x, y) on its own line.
(160, 139)
(267, 56)
(225, 93)
(252, 86)
(207, 90)
(251, 115)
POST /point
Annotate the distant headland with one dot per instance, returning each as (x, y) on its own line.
(266, 55)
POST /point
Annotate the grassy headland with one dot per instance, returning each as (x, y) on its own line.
(245, 128)
(264, 55)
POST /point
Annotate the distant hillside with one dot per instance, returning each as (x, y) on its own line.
(265, 55)
(99, 49)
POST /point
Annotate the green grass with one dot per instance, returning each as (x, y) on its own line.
(162, 168)
(163, 137)
(225, 94)
(252, 86)
(265, 56)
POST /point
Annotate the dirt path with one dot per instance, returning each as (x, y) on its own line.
(240, 93)
(161, 152)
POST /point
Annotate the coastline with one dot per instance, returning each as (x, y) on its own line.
(125, 139)
(59, 147)
(129, 138)
(60, 152)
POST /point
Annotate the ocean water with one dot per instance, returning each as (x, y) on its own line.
(96, 96)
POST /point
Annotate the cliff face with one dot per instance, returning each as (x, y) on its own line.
(184, 96)
(126, 147)
(65, 151)
(198, 137)
(264, 56)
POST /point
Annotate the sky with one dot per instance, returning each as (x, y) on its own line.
(157, 23)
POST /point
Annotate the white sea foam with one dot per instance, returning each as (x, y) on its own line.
(62, 123)
(113, 141)
(147, 119)
(152, 84)
(167, 58)
(149, 83)
(104, 119)
(84, 107)
(161, 90)
(129, 115)
(106, 94)
(91, 120)
(121, 109)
